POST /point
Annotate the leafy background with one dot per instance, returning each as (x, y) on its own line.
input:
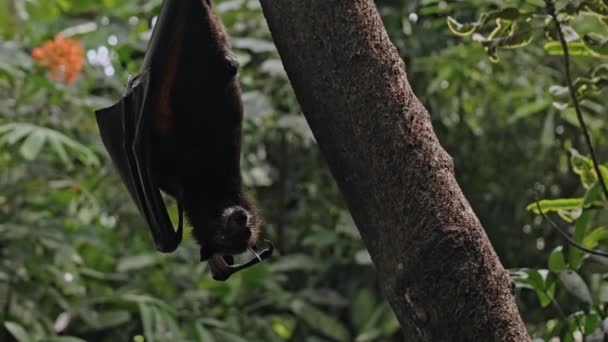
(77, 262)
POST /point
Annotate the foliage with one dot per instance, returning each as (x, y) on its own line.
(571, 29)
(575, 272)
(77, 260)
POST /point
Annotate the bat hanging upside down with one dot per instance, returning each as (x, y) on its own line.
(178, 129)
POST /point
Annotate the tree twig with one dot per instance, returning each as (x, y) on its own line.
(4, 333)
(577, 108)
(566, 236)
(565, 318)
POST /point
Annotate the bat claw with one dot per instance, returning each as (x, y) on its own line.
(222, 267)
(254, 253)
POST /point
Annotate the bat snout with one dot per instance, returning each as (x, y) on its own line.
(237, 227)
(233, 232)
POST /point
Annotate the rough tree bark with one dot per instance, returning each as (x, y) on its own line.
(436, 266)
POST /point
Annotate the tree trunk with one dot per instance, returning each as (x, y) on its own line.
(434, 261)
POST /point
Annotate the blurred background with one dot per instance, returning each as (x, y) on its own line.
(77, 260)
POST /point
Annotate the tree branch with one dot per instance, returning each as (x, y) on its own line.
(566, 236)
(434, 261)
(577, 108)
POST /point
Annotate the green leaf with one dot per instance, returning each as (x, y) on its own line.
(296, 262)
(600, 71)
(520, 34)
(594, 191)
(492, 53)
(284, 326)
(37, 136)
(61, 153)
(591, 323)
(580, 227)
(390, 324)
(369, 336)
(570, 215)
(219, 289)
(148, 300)
(325, 297)
(569, 115)
(546, 297)
(596, 264)
(461, 29)
(18, 332)
(363, 307)
(528, 109)
(226, 336)
(597, 44)
(203, 334)
(362, 257)
(320, 239)
(555, 205)
(574, 49)
(320, 321)
(597, 8)
(586, 87)
(375, 317)
(136, 262)
(147, 321)
(604, 172)
(547, 137)
(575, 284)
(557, 261)
(503, 27)
(32, 145)
(559, 92)
(507, 13)
(159, 326)
(65, 339)
(541, 281)
(14, 132)
(110, 319)
(593, 239)
(583, 167)
(503, 16)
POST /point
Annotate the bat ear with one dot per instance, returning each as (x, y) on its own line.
(205, 254)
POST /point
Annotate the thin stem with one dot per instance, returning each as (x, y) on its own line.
(6, 309)
(577, 108)
(565, 318)
(566, 236)
(284, 177)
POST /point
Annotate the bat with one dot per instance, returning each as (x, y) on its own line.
(178, 129)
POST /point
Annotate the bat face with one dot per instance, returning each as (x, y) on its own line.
(232, 232)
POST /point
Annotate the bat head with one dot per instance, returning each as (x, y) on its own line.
(233, 232)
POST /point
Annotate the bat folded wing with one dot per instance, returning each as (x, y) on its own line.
(125, 132)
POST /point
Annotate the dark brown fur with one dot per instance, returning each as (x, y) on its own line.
(198, 134)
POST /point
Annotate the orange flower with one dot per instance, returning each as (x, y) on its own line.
(64, 56)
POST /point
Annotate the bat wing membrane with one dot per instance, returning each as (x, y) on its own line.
(125, 131)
